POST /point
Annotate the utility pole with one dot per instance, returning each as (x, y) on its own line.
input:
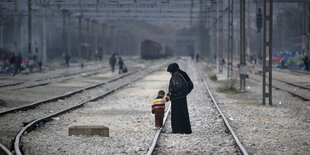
(209, 26)
(221, 43)
(80, 35)
(218, 35)
(87, 36)
(267, 51)
(69, 30)
(191, 13)
(64, 30)
(307, 27)
(112, 28)
(44, 35)
(15, 26)
(1, 28)
(87, 28)
(94, 33)
(214, 32)
(305, 36)
(242, 44)
(21, 36)
(259, 25)
(29, 26)
(248, 43)
(230, 38)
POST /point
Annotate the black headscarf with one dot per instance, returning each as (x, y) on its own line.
(173, 67)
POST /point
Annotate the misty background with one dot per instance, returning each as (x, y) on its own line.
(188, 27)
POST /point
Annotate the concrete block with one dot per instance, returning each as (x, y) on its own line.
(89, 130)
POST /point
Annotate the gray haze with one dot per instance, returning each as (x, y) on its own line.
(188, 27)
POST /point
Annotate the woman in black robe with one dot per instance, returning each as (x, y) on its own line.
(178, 91)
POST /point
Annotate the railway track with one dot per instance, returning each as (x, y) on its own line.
(290, 71)
(297, 90)
(59, 77)
(297, 72)
(33, 105)
(300, 91)
(91, 93)
(53, 77)
(41, 82)
(231, 131)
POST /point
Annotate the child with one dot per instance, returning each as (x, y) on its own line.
(158, 108)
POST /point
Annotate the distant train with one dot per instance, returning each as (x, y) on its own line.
(154, 50)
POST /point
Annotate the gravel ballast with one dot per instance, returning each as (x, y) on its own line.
(11, 123)
(15, 96)
(278, 129)
(127, 114)
(208, 131)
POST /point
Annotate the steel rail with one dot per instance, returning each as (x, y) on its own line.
(288, 83)
(283, 81)
(281, 71)
(300, 71)
(29, 106)
(241, 147)
(57, 76)
(92, 72)
(4, 150)
(32, 125)
(292, 93)
(293, 71)
(11, 84)
(71, 74)
(53, 77)
(292, 84)
(157, 134)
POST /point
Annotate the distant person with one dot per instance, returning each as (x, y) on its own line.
(112, 62)
(179, 87)
(67, 59)
(255, 59)
(223, 61)
(214, 59)
(7, 65)
(40, 65)
(197, 58)
(221, 64)
(18, 68)
(192, 56)
(306, 62)
(158, 108)
(2, 64)
(244, 70)
(12, 63)
(100, 53)
(96, 55)
(82, 65)
(31, 63)
(252, 58)
(36, 56)
(24, 64)
(121, 65)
